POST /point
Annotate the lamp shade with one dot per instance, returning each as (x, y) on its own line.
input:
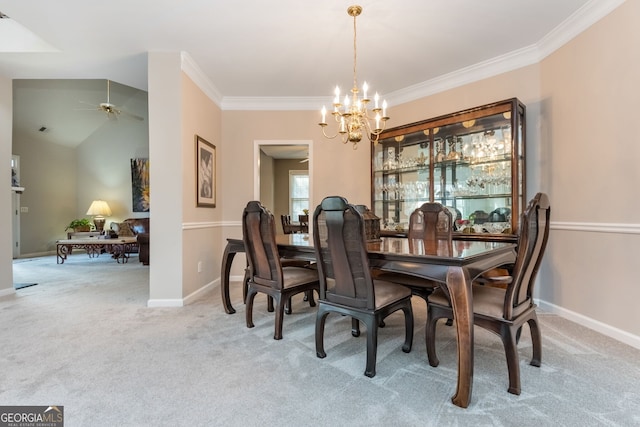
(99, 208)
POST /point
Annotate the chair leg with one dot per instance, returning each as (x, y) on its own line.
(372, 346)
(280, 303)
(245, 284)
(536, 341)
(269, 303)
(251, 294)
(309, 297)
(355, 327)
(408, 322)
(430, 336)
(321, 317)
(508, 336)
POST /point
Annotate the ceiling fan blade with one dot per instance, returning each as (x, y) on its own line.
(107, 107)
(89, 104)
(131, 115)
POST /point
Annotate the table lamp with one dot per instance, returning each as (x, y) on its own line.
(99, 209)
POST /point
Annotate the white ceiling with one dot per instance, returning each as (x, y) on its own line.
(283, 48)
(286, 49)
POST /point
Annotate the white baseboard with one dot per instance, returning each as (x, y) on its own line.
(155, 303)
(198, 293)
(603, 328)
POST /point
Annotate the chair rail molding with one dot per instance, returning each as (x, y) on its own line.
(597, 227)
(205, 224)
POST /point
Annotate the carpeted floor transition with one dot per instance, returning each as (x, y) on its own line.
(84, 339)
(17, 286)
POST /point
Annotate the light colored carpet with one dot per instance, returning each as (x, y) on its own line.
(84, 338)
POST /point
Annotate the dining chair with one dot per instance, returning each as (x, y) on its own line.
(430, 232)
(505, 311)
(346, 284)
(266, 274)
(286, 224)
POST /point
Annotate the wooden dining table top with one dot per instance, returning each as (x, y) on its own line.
(410, 255)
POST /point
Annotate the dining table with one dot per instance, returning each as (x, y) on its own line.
(454, 266)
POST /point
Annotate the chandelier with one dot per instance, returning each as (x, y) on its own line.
(352, 115)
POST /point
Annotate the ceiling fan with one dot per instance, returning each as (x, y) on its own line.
(112, 111)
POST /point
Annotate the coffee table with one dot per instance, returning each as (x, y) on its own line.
(119, 248)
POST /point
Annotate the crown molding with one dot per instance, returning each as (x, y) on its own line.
(191, 69)
(579, 21)
(480, 71)
(575, 24)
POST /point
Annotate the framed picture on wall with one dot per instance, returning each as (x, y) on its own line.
(205, 173)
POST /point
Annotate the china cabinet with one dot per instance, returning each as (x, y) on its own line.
(471, 161)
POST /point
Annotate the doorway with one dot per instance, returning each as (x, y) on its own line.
(268, 153)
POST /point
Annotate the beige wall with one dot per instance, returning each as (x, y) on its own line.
(589, 167)
(6, 124)
(201, 237)
(337, 169)
(266, 181)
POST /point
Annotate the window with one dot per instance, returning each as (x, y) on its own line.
(298, 193)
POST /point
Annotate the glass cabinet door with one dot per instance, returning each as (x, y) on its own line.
(401, 178)
(471, 161)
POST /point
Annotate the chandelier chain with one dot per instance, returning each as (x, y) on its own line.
(355, 82)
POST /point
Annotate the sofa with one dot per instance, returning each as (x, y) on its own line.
(138, 227)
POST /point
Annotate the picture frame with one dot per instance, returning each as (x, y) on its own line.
(205, 173)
